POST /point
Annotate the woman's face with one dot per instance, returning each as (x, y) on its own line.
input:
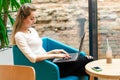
(30, 20)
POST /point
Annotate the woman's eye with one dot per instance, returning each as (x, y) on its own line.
(32, 18)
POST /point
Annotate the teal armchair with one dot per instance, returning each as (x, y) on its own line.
(47, 70)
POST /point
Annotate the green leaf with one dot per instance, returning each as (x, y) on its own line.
(17, 4)
(11, 19)
(22, 1)
(12, 4)
(1, 3)
(3, 33)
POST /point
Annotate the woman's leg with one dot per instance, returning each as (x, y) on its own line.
(73, 68)
(80, 63)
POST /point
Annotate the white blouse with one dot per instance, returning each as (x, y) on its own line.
(30, 44)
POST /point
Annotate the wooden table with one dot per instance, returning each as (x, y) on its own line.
(109, 71)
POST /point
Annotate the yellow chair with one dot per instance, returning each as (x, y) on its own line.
(16, 72)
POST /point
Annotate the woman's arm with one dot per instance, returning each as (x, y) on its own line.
(57, 53)
(49, 56)
(23, 46)
(26, 50)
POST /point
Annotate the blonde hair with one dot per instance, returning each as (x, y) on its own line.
(24, 11)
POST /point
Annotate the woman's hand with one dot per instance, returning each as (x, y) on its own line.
(60, 53)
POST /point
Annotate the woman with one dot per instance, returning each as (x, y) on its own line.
(28, 41)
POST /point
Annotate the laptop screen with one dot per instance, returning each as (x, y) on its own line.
(81, 42)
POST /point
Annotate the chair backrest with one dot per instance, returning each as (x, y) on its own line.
(16, 72)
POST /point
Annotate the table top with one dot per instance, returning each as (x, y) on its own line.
(108, 70)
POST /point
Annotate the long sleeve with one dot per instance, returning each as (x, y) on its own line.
(30, 44)
(23, 46)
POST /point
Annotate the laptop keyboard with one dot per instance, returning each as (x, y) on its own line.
(74, 57)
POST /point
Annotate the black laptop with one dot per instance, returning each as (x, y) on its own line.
(74, 56)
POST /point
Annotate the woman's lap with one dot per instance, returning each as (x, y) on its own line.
(73, 68)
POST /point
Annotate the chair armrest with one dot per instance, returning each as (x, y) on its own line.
(50, 44)
(47, 70)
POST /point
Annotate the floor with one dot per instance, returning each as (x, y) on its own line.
(6, 57)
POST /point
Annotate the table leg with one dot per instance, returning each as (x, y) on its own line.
(91, 78)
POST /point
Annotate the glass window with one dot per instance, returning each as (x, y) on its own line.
(109, 26)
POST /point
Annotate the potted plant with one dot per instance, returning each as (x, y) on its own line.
(7, 7)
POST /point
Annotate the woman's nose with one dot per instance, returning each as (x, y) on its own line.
(34, 21)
